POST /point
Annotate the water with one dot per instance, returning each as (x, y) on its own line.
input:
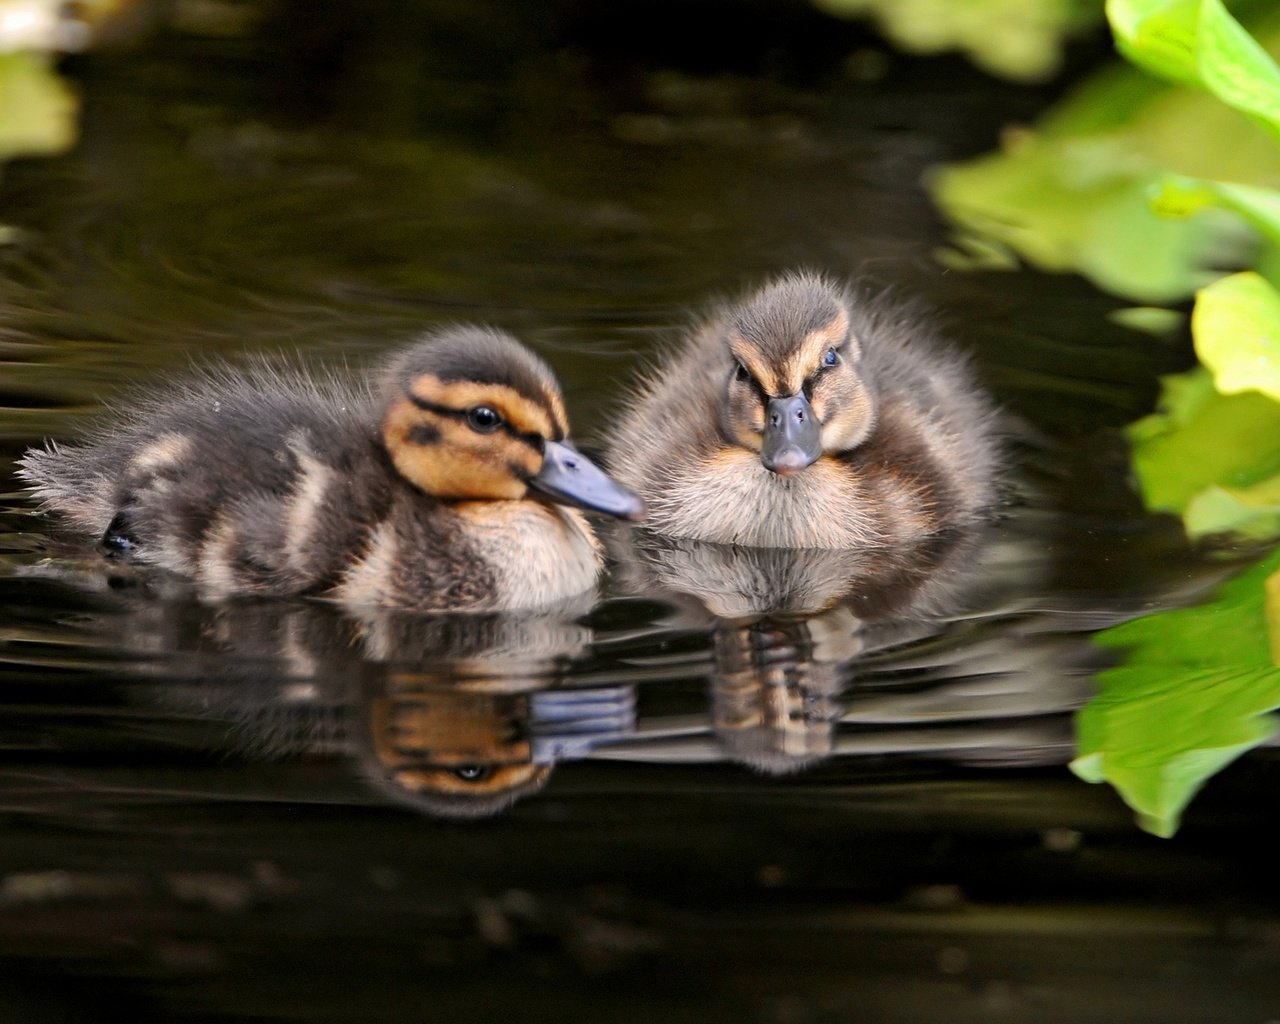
(700, 797)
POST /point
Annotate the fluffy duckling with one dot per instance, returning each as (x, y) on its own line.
(810, 416)
(441, 484)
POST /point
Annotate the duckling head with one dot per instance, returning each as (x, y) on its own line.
(473, 415)
(794, 389)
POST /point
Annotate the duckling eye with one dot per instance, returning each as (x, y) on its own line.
(831, 357)
(741, 372)
(472, 772)
(484, 418)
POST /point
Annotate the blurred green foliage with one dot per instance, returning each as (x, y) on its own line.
(1213, 452)
(37, 107)
(1075, 192)
(1189, 696)
(1196, 42)
(1210, 457)
(1017, 39)
(1148, 189)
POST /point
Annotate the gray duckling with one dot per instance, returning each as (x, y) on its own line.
(810, 416)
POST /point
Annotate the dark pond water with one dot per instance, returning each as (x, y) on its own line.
(678, 802)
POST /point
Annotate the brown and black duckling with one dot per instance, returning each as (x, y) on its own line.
(810, 416)
(440, 483)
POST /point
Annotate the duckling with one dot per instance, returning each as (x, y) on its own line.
(810, 416)
(442, 483)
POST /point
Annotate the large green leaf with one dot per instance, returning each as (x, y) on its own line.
(1192, 694)
(1235, 68)
(1158, 35)
(1196, 42)
(1236, 325)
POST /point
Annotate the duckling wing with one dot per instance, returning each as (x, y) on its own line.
(937, 423)
(243, 482)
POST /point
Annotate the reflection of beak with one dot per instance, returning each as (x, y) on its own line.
(569, 477)
(792, 436)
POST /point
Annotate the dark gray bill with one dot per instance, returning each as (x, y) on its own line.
(792, 435)
(570, 477)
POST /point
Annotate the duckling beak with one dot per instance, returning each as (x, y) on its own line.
(792, 435)
(569, 477)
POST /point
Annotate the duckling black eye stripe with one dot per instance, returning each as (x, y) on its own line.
(424, 434)
(534, 441)
(756, 386)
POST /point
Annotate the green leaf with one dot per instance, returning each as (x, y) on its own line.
(1235, 68)
(1244, 511)
(1236, 326)
(37, 107)
(1183, 397)
(1154, 320)
(1272, 612)
(1179, 196)
(1078, 204)
(1193, 693)
(1074, 193)
(1158, 35)
(1212, 452)
(1200, 439)
(1019, 39)
(1197, 42)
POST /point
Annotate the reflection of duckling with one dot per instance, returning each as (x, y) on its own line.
(418, 493)
(470, 748)
(789, 624)
(744, 584)
(775, 698)
(450, 750)
(454, 715)
(809, 416)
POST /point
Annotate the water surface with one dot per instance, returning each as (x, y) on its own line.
(700, 797)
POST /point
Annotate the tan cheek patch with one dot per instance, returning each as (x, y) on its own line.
(448, 459)
(846, 413)
(745, 415)
(421, 742)
(828, 397)
(453, 728)
(457, 473)
(559, 426)
(747, 438)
